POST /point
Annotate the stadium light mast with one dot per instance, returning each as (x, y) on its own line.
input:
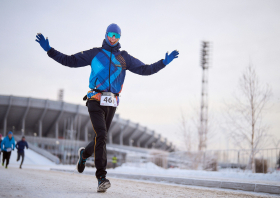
(203, 129)
(60, 95)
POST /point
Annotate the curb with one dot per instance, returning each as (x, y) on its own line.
(249, 187)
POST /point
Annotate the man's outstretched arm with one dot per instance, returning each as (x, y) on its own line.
(77, 60)
(138, 67)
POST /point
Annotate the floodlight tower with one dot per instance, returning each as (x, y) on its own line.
(60, 95)
(203, 129)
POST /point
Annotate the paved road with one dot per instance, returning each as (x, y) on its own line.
(16, 182)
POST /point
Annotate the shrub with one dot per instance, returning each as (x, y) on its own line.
(261, 165)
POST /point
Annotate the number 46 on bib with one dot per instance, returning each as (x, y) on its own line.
(108, 99)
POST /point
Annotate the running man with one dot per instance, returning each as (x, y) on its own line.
(7, 145)
(108, 70)
(20, 147)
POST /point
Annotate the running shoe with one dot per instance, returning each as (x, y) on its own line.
(103, 184)
(81, 164)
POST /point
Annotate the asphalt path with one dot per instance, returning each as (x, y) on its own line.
(15, 182)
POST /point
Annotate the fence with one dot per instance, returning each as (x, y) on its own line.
(43, 152)
(266, 160)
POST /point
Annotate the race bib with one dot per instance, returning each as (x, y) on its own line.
(8, 149)
(108, 99)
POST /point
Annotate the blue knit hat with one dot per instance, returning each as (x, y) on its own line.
(10, 133)
(112, 28)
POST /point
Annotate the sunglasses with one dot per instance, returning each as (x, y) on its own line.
(111, 34)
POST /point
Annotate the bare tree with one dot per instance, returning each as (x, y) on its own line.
(209, 132)
(190, 132)
(186, 133)
(244, 117)
(276, 142)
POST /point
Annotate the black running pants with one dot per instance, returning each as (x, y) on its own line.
(101, 118)
(22, 157)
(6, 156)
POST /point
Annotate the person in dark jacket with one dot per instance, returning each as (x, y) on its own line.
(108, 70)
(0, 145)
(20, 147)
(7, 145)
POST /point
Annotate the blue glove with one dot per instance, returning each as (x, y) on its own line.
(170, 57)
(43, 42)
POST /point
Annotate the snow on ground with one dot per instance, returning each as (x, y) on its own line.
(31, 158)
(226, 175)
(16, 182)
(36, 161)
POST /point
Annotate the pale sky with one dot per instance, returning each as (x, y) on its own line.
(241, 32)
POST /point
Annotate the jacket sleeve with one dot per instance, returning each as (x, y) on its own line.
(26, 145)
(14, 144)
(136, 66)
(2, 144)
(80, 59)
(17, 145)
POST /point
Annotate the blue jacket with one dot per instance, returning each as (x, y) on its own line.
(8, 143)
(21, 145)
(100, 59)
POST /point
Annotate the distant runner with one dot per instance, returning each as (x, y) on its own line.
(0, 145)
(108, 70)
(20, 147)
(7, 145)
(114, 161)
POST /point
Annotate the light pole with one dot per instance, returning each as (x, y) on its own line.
(57, 147)
(69, 155)
(203, 129)
(34, 135)
(131, 142)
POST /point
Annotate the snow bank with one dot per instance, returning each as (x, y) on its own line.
(30, 158)
(35, 161)
(143, 166)
(152, 169)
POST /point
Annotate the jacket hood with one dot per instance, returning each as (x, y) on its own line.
(109, 48)
(112, 28)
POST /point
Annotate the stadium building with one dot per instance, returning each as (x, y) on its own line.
(61, 128)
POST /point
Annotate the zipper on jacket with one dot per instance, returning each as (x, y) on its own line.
(110, 70)
(95, 83)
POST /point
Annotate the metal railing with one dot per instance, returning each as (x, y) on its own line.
(266, 160)
(43, 152)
